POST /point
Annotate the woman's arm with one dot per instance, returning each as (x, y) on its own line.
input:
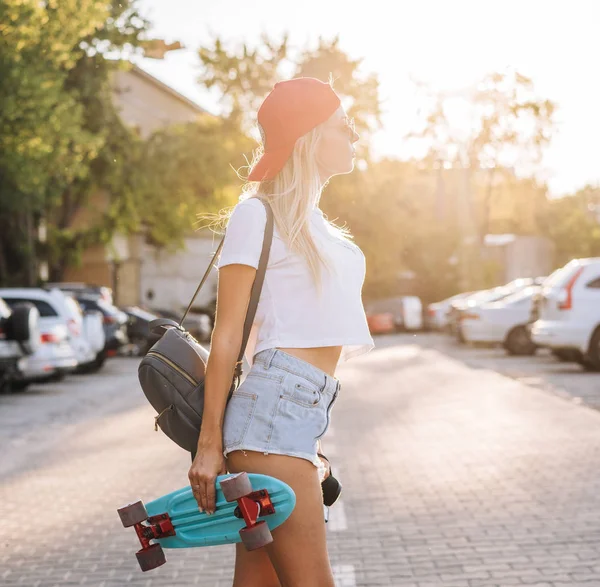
(233, 296)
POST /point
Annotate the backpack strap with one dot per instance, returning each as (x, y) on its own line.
(256, 286)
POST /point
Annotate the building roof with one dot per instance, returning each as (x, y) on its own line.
(136, 70)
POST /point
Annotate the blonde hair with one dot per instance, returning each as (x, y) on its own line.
(292, 194)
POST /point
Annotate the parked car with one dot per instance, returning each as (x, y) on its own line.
(437, 313)
(412, 313)
(502, 322)
(63, 343)
(84, 332)
(209, 309)
(78, 288)
(138, 330)
(386, 307)
(115, 327)
(567, 313)
(381, 323)
(406, 312)
(466, 304)
(86, 327)
(199, 325)
(19, 338)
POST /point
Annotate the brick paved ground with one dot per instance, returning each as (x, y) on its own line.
(453, 476)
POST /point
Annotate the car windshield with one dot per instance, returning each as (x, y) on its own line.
(491, 295)
(44, 308)
(519, 296)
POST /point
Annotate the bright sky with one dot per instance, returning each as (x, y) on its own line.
(448, 43)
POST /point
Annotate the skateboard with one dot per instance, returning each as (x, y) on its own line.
(242, 501)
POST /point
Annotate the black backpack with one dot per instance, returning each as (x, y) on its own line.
(172, 372)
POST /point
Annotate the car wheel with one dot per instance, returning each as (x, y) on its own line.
(19, 386)
(519, 343)
(98, 362)
(592, 362)
(56, 377)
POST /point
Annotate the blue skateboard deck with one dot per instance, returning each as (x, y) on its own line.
(222, 527)
(257, 504)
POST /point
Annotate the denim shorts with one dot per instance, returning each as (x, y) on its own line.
(283, 406)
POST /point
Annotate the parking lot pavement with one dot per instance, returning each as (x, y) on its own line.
(543, 370)
(453, 475)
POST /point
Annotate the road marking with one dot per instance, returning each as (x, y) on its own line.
(337, 517)
(344, 575)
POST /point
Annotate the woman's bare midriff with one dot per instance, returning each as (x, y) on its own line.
(325, 357)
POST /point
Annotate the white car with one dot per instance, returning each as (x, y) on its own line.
(19, 338)
(55, 356)
(64, 333)
(502, 322)
(568, 314)
(412, 313)
(465, 304)
(437, 313)
(87, 328)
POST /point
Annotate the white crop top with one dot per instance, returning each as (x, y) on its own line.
(290, 313)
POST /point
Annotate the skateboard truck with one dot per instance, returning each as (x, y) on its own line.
(251, 505)
(254, 505)
(159, 526)
(149, 556)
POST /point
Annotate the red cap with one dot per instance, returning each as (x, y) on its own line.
(292, 108)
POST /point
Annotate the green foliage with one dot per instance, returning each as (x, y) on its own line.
(62, 139)
(497, 143)
(573, 224)
(40, 120)
(67, 157)
(396, 214)
(43, 143)
(186, 171)
(244, 76)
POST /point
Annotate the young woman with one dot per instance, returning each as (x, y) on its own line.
(310, 317)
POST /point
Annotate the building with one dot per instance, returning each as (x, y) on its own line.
(128, 264)
(514, 256)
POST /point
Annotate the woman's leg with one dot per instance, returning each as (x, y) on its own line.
(298, 553)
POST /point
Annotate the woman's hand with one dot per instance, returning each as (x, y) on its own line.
(208, 464)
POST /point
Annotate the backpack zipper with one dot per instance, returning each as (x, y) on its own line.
(171, 364)
(159, 415)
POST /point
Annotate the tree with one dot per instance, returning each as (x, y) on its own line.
(70, 160)
(185, 170)
(60, 131)
(244, 76)
(494, 133)
(114, 170)
(573, 224)
(41, 121)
